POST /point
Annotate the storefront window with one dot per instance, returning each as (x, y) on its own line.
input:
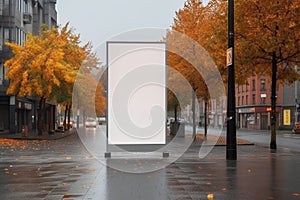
(251, 119)
(1, 74)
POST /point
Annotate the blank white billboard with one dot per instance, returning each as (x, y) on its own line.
(136, 93)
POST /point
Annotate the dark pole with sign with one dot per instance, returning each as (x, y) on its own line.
(231, 153)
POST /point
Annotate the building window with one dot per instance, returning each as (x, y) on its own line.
(253, 99)
(19, 5)
(246, 99)
(1, 73)
(23, 37)
(242, 100)
(18, 39)
(1, 38)
(5, 69)
(1, 8)
(6, 7)
(263, 85)
(6, 35)
(263, 100)
(239, 101)
(253, 85)
(26, 7)
(20, 36)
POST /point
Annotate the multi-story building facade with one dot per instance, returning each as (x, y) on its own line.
(216, 112)
(253, 103)
(253, 106)
(290, 105)
(18, 17)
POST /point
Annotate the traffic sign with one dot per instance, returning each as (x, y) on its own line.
(229, 57)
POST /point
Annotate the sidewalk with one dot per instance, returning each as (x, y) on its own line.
(35, 136)
(258, 173)
(64, 169)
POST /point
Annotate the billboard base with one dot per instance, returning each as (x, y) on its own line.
(108, 155)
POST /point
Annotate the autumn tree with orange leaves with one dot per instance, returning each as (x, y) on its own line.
(267, 39)
(269, 32)
(88, 95)
(192, 21)
(46, 67)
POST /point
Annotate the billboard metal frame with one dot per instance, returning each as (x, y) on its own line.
(133, 147)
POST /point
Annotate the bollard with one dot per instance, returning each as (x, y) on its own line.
(24, 131)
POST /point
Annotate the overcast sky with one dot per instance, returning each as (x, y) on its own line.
(100, 20)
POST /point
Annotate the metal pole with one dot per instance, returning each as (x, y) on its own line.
(231, 150)
(296, 98)
(77, 120)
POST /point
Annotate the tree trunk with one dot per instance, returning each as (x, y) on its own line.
(205, 117)
(175, 112)
(273, 144)
(69, 116)
(65, 118)
(41, 115)
(51, 119)
(194, 113)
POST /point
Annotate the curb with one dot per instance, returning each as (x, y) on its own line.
(33, 136)
(221, 141)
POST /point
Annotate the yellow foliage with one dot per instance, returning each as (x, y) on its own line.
(261, 28)
(47, 65)
(191, 21)
(266, 29)
(100, 100)
(88, 94)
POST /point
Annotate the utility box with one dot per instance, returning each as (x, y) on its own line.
(177, 128)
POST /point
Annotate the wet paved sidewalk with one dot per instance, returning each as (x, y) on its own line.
(64, 169)
(35, 136)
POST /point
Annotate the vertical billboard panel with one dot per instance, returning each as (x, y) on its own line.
(136, 93)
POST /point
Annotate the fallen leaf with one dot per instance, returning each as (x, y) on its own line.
(210, 196)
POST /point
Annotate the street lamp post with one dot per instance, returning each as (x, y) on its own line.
(77, 119)
(231, 150)
(297, 100)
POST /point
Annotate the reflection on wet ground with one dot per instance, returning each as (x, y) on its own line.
(64, 169)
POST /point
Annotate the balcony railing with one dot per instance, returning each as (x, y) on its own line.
(27, 18)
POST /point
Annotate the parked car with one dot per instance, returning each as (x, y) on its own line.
(296, 128)
(91, 122)
(61, 124)
(101, 120)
